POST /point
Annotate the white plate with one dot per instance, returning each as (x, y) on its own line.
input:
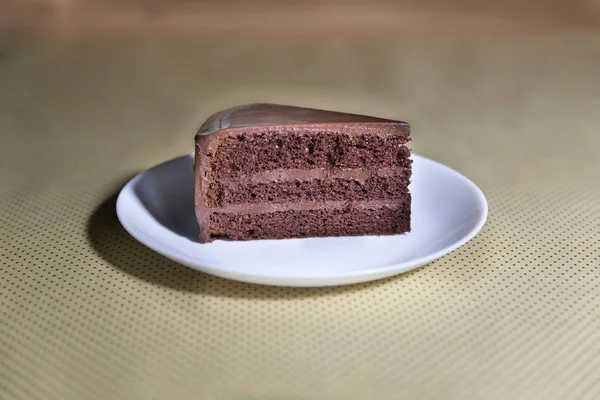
(157, 208)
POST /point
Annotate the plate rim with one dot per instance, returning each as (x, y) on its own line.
(333, 279)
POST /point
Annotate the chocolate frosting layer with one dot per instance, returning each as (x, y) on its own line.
(259, 208)
(291, 174)
(274, 114)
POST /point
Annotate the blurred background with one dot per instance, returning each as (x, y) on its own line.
(303, 18)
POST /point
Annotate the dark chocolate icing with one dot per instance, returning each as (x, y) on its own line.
(274, 114)
(258, 208)
(292, 174)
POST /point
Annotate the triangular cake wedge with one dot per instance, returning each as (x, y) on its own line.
(266, 171)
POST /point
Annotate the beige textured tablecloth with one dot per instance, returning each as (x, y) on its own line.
(86, 312)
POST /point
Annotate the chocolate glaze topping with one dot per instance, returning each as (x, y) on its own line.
(274, 114)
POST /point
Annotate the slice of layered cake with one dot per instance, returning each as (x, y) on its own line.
(267, 171)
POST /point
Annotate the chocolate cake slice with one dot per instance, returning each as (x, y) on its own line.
(266, 171)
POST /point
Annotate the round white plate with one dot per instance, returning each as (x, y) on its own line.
(157, 208)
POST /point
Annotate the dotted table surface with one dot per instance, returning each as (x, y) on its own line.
(86, 312)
